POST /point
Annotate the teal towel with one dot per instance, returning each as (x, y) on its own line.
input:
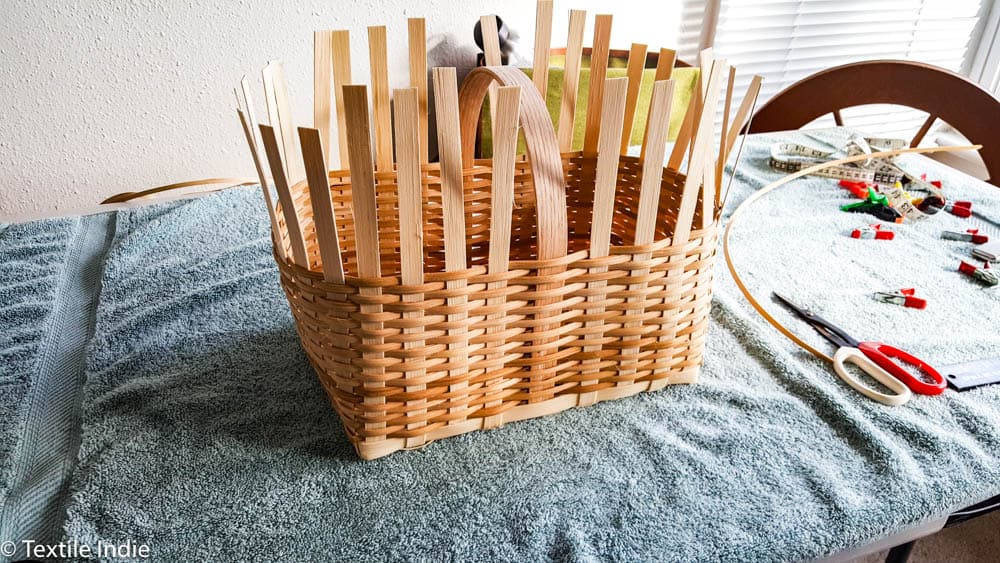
(206, 435)
(50, 273)
(31, 259)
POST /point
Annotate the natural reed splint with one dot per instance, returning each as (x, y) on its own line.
(437, 298)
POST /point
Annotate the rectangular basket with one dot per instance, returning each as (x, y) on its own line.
(435, 299)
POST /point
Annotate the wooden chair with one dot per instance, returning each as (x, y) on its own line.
(652, 57)
(944, 95)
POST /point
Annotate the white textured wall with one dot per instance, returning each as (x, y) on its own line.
(98, 97)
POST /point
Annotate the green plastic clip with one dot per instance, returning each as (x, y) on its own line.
(873, 199)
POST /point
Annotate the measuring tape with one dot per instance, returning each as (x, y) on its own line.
(793, 157)
(904, 203)
(901, 202)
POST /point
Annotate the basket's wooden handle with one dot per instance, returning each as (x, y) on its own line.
(543, 150)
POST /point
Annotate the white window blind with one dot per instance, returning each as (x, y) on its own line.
(785, 41)
(985, 67)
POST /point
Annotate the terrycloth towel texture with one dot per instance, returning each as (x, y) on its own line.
(53, 271)
(31, 262)
(207, 436)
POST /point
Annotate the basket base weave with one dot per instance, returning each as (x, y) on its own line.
(373, 450)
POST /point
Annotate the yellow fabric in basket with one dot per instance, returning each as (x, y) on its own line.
(685, 80)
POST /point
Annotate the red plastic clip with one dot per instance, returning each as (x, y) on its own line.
(959, 208)
(970, 235)
(859, 189)
(902, 297)
(978, 238)
(873, 232)
(984, 275)
(911, 301)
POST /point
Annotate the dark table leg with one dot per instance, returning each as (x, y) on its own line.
(900, 553)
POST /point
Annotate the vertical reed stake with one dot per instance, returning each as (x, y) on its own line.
(369, 266)
(543, 46)
(636, 64)
(313, 157)
(501, 209)
(645, 228)
(709, 194)
(378, 58)
(322, 85)
(417, 37)
(598, 72)
(279, 113)
(750, 102)
(743, 114)
(724, 134)
(612, 114)
(341, 41)
(411, 239)
(491, 52)
(664, 70)
(571, 79)
(453, 208)
(255, 155)
(292, 222)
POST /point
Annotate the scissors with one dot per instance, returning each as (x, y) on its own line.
(874, 358)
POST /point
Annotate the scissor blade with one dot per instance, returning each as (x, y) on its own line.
(825, 328)
(788, 303)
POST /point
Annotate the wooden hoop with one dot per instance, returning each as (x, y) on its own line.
(781, 182)
(230, 183)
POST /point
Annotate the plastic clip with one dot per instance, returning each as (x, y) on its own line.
(983, 275)
(935, 183)
(959, 208)
(971, 235)
(902, 297)
(859, 189)
(873, 232)
(875, 204)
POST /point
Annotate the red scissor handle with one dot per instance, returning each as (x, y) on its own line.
(883, 355)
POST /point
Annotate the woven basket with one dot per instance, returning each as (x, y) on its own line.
(568, 330)
(591, 301)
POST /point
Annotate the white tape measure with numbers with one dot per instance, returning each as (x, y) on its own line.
(792, 157)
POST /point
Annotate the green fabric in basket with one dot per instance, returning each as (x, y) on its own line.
(685, 80)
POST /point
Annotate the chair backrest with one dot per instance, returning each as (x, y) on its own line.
(944, 95)
(652, 56)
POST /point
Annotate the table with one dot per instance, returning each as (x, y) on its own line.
(161, 397)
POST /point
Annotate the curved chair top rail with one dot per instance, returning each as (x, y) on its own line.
(941, 93)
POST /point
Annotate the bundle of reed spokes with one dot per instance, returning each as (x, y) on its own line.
(437, 298)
